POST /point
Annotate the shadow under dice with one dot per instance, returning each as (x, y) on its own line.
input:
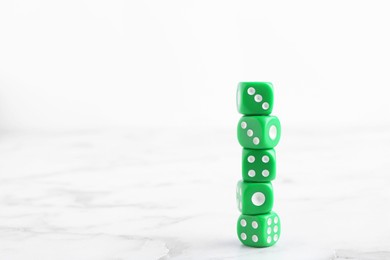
(258, 132)
(258, 165)
(254, 198)
(255, 98)
(260, 230)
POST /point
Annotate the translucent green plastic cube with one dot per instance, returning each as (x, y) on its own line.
(259, 231)
(254, 198)
(255, 98)
(258, 165)
(258, 132)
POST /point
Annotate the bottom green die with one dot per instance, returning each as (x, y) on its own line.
(259, 230)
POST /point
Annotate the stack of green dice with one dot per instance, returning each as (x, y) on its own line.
(258, 133)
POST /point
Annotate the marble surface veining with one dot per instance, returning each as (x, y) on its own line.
(169, 193)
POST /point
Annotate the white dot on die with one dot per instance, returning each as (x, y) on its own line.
(269, 240)
(265, 173)
(243, 125)
(251, 173)
(258, 98)
(256, 140)
(276, 229)
(273, 132)
(251, 91)
(251, 159)
(254, 224)
(249, 132)
(243, 236)
(275, 237)
(269, 230)
(276, 220)
(243, 222)
(269, 221)
(265, 106)
(265, 159)
(255, 238)
(258, 199)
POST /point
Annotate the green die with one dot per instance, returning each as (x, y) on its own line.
(255, 98)
(258, 165)
(258, 132)
(259, 231)
(254, 198)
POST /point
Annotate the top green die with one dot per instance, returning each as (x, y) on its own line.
(255, 98)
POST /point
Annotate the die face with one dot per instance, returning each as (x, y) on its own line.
(238, 196)
(258, 132)
(254, 198)
(255, 98)
(259, 231)
(258, 165)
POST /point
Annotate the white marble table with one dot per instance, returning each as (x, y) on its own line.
(169, 193)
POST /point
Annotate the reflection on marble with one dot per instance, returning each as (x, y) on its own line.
(170, 194)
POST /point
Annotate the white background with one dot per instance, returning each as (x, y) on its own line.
(118, 124)
(84, 64)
